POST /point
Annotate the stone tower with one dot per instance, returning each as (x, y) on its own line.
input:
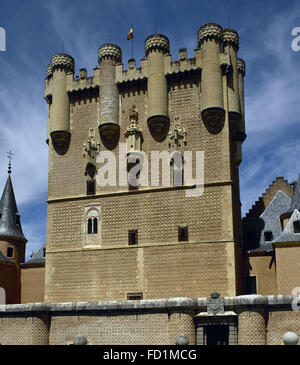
(121, 241)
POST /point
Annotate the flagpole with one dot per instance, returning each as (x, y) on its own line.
(132, 43)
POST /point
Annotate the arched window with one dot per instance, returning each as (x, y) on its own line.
(92, 221)
(93, 225)
(2, 296)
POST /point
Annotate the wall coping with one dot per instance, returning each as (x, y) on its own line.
(238, 303)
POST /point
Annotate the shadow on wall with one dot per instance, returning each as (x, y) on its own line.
(2, 296)
(252, 229)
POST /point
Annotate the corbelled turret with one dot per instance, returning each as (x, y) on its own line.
(210, 37)
(109, 55)
(59, 130)
(156, 46)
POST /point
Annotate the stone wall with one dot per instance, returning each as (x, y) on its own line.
(256, 319)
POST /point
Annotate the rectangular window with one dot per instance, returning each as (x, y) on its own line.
(251, 287)
(134, 296)
(133, 237)
(183, 234)
(10, 252)
(90, 187)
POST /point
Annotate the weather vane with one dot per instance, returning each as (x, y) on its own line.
(9, 156)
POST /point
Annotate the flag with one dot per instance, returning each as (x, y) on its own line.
(130, 34)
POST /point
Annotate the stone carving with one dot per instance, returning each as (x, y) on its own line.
(177, 136)
(215, 304)
(80, 340)
(157, 42)
(134, 136)
(90, 150)
(109, 50)
(182, 340)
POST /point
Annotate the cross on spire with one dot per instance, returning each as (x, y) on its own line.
(9, 156)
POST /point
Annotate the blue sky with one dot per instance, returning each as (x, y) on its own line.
(37, 29)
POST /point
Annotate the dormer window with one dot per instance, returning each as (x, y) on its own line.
(268, 236)
(297, 226)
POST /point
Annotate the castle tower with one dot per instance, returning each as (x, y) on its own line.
(113, 242)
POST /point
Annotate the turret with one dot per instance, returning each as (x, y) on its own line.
(49, 74)
(59, 130)
(241, 70)
(109, 55)
(231, 46)
(210, 37)
(156, 46)
(12, 240)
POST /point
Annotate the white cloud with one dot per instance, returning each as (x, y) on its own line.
(272, 109)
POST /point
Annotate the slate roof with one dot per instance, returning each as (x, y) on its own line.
(9, 215)
(38, 257)
(288, 234)
(269, 220)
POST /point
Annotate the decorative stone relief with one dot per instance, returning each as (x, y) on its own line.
(177, 136)
(215, 304)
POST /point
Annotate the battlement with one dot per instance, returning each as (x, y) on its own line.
(139, 75)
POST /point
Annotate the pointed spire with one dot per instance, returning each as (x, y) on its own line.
(10, 224)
